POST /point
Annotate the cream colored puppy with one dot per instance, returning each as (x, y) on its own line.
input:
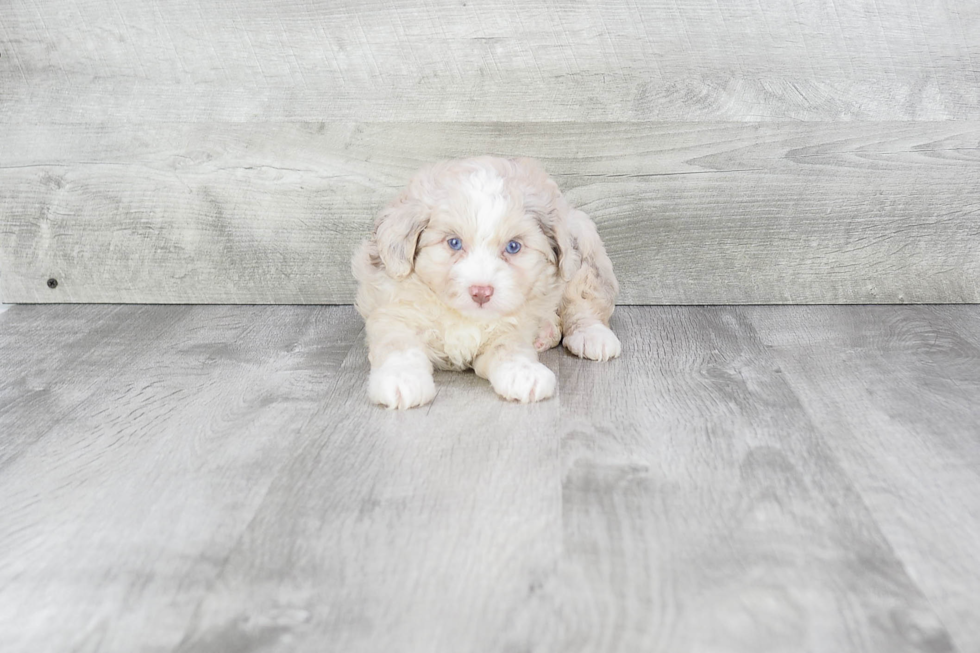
(481, 263)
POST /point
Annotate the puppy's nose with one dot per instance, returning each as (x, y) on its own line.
(481, 294)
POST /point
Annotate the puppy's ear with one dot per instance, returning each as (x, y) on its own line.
(544, 202)
(397, 232)
(566, 244)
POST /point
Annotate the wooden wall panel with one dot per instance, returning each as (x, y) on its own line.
(490, 60)
(182, 151)
(692, 213)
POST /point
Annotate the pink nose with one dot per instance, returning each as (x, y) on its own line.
(481, 294)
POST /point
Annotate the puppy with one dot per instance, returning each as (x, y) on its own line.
(481, 263)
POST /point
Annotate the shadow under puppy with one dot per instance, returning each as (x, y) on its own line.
(481, 263)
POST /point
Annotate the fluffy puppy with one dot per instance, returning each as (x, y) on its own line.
(481, 263)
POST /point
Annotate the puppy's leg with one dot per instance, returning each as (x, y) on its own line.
(587, 305)
(401, 373)
(549, 333)
(513, 370)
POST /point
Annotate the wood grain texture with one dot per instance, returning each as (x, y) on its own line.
(691, 213)
(139, 458)
(53, 364)
(509, 60)
(224, 486)
(896, 396)
(703, 512)
(425, 530)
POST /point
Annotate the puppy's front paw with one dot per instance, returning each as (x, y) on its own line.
(402, 381)
(523, 380)
(595, 342)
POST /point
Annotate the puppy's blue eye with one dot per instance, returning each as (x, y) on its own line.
(513, 247)
(455, 243)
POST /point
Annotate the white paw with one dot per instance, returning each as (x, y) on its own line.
(523, 380)
(595, 342)
(404, 380)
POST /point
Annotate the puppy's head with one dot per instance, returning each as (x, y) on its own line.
(486, 235)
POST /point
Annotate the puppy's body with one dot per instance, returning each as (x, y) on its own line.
(451, 340)
(480, 263)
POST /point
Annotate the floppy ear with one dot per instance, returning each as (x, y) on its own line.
(543, 200)
(565, 243)
(555, 225)
(397, 232)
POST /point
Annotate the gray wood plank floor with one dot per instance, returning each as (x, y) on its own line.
(743, 479)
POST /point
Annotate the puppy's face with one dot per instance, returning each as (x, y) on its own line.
(474, 232)
(482, 252)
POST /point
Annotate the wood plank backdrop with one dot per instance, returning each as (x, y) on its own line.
(743, 152)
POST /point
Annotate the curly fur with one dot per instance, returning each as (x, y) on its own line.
(416, 293)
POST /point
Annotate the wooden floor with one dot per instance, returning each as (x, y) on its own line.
(212, 479)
